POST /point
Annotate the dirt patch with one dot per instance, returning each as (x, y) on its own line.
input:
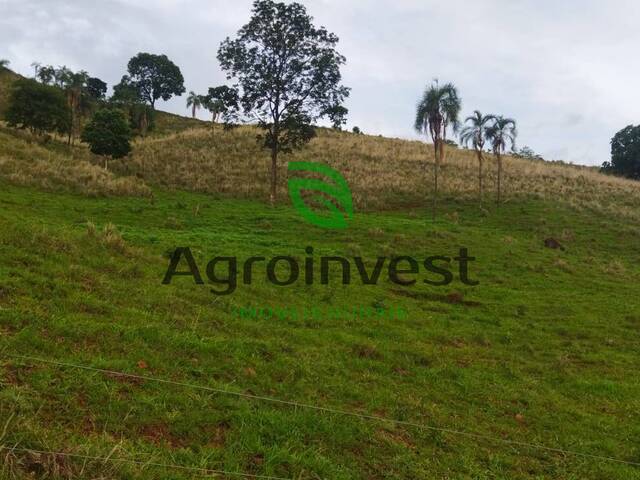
(160, 435)
(218, 435)
(553, 244)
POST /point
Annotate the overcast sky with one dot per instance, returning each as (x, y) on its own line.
(568, 71)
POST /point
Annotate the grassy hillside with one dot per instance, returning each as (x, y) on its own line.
(541, 352)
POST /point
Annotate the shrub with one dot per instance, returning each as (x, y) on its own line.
(108, 134)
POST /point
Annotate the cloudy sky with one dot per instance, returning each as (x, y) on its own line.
(567, 70)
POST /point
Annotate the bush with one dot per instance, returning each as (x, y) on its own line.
(108, 134)
(40, 108)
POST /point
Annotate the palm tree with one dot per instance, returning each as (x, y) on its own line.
(438, 110)
(195, 102)
(36, 68)
(501, 132)
(475, 132)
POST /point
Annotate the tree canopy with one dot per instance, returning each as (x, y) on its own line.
(96, 88)
(288, 75)
(155, 77)
(40, 108)
(108, 133)
(625, 153)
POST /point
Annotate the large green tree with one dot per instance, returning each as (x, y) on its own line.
(625, 153)
(499, 134)
(474, 132)
(108, 134)
(156, 77)
(438, 111)
(37, 107)
(288, 75)
(96, 88)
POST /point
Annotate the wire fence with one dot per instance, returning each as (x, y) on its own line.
(329, 410)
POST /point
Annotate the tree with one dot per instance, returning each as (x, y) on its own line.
(357, 130)
(528, 153)
(625, 153)
(36, 67)
(288, 75)
(438, 110)
(108, 134)
(475, 133)
(61, 76)
(126, 96)
(96, 88)
(500, 133)
(75, 85)
(4, 63)
(45, 74)
(155, 77)
(339, 115)
(222, 102)
(194, 102)
(39, 108)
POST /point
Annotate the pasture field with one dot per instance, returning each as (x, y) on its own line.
(543, 351)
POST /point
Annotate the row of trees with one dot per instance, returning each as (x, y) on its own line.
(58, 100)
(437, 113)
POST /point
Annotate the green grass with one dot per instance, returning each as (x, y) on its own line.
(544, 350)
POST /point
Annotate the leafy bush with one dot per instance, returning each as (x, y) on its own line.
(108, 133)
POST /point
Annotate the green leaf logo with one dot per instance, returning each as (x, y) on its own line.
(338, 191)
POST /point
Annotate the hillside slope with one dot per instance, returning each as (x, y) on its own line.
(541, 351)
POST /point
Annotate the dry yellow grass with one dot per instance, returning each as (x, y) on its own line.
(383, 173)
(23, 161)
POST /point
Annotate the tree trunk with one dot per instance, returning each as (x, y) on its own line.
(274, 174)
(193, 111)
(480, 159)
(499, 178)
(436, 146)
